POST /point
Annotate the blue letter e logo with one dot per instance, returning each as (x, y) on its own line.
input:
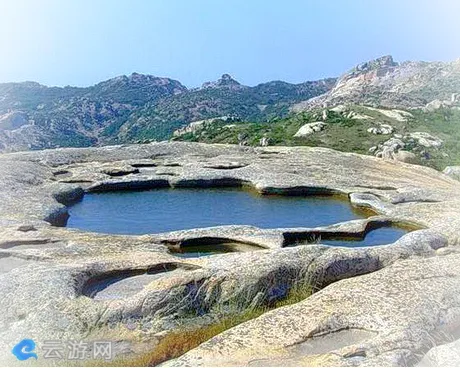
(25, 350)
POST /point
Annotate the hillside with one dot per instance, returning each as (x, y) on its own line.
(131, 108)
(408, 111)
(422, 136)
(158, 120)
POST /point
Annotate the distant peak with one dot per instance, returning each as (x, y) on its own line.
(226, 80)
(386, 60)
(138, 80)
(381, 62)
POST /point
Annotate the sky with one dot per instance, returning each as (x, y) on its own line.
(82, 42)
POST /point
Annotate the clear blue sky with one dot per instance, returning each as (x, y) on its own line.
(70, 42)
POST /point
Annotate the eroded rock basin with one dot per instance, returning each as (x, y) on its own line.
(122, 284)
(209, 249)
(162, 210)
(404, 291)
(383, 235)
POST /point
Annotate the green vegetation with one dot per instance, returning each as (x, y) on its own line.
(445, 124)
(260, 103)
(140, 108)
(343, 133)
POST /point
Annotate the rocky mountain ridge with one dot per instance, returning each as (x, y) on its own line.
(132, 108)
(139, 108)
(385, 83)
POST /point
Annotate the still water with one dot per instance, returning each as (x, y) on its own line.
(161, 210)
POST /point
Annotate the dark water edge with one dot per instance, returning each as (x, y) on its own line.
(381, 236)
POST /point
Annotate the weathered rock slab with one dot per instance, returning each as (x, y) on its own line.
(384, 299)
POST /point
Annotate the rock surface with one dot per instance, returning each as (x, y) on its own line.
(377, 305)
(310, 128)
(453, 171)
(447, 355)
(384, 129)
(384, 82)
(394, 147)
(410, 291)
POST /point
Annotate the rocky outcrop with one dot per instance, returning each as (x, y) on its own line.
(417, 142)
(425, 139)
(437, 104)
(377, 305)
(196, 126)
(453, 171)
(310, 128)
(225, 81)
(383, 82)
(383, 129)
(13, 120)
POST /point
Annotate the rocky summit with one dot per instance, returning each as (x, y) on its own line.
(392, 304)
(384, 82)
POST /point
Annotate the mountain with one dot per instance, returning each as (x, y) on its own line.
(225, 97)
(139, 108)
(132, 108)
(226, 81)
(384, 82)
(70, 116)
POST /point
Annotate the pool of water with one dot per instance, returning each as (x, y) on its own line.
(384, 235)
(162, 210)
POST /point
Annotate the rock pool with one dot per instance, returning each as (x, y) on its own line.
(163, 210)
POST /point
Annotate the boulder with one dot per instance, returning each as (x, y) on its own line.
(359, 116)
(405, 156)
(447, 355)
(418, 141)
(425, 139)
(264, 141)
(383, 129)
(196, 126)
(388, 148)
(310, 128)
(339, 108)
(434, 105)
(453, 172)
